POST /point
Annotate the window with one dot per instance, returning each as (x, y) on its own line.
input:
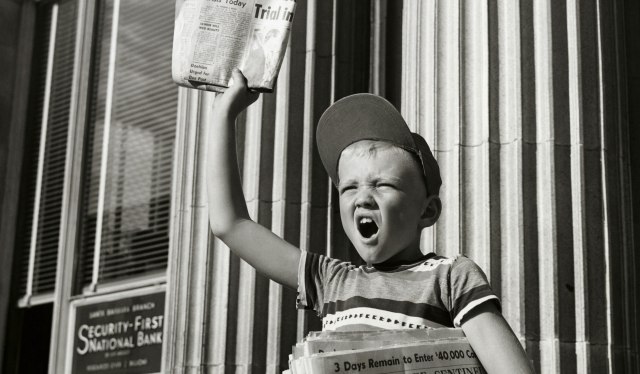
(131, 128)
(127, 164)
(49, 125)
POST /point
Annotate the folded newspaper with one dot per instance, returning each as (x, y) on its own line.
(429, 351)
(211, 37)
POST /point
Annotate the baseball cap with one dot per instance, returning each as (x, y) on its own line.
(366, 116)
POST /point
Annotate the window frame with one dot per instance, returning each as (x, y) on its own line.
(71, 215)
(72, 183)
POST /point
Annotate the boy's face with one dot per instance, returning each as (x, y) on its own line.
(382, 198)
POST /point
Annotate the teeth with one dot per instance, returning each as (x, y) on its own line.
(364, 220)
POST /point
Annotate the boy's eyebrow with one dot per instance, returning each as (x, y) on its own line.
(387, 179)
(343, 182)
(390, 177)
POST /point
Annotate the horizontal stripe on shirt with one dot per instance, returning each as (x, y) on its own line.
(407, 308)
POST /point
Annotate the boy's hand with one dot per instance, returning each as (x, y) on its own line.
(237, 97)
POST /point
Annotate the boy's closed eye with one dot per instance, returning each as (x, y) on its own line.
(386, 185)
(346, 188)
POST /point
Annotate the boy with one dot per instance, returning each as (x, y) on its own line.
(388, 183)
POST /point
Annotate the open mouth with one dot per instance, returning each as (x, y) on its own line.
(367, 227)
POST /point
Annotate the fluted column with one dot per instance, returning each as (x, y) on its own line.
(221, 315)
(522, 103)
(190, 271)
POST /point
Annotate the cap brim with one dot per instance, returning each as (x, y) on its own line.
(366, 116)
(354, 118)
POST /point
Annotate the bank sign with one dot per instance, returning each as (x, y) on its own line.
(120, 336)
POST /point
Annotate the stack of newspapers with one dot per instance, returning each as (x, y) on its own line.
(424, 351)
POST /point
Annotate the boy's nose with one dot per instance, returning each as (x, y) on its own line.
(364, 199)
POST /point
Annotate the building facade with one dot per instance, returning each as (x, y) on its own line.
(528, 105)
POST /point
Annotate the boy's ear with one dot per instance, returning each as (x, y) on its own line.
(431, 212)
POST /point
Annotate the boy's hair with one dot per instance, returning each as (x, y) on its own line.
(370, 147)
(370, 117)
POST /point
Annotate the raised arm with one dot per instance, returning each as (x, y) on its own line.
(493, 341)
(228, 215)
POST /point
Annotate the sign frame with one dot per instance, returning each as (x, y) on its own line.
(102, 298)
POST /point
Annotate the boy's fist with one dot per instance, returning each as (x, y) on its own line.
(237, 97)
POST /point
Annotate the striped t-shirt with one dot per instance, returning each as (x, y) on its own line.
(435, 291)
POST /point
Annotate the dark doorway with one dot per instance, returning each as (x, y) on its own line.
(29, 339)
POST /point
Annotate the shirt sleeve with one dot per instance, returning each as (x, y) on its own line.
(313, 271)
(468, 288)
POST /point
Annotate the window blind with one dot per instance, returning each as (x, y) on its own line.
(133, 110)
(50, 104)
